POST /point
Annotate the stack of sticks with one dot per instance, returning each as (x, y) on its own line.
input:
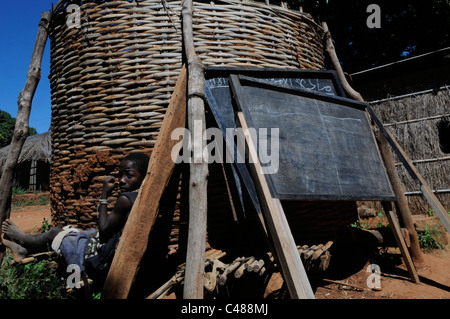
(217, 273)
(315, 257)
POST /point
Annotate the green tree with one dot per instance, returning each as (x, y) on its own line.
(7, 123)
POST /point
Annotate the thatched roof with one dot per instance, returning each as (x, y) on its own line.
(36, 147)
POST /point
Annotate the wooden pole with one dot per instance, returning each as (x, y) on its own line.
(134, 239)
(21, 128)
(387, 157)
(413, 172)
(400, 241)
(195, 256)
(402, 203)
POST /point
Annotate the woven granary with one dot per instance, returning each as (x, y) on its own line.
(112, 78)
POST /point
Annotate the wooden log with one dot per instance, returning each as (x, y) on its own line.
(21, 127)
(383, 238)
(231, 268)
(193, 282)
(240, 271)
(257, 265)
(324, 261)
(133, 242)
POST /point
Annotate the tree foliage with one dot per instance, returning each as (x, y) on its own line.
(408, 28)
(7, 123)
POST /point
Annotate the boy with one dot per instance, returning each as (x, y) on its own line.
(92, 248)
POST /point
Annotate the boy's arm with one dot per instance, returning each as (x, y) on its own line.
(109, 224)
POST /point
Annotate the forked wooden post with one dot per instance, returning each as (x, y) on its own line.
(133, 243)
(404, 212)
(387, 159)
(23, 115)
(195, 255)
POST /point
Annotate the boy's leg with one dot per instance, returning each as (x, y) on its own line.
(18, 251)
(32, 243)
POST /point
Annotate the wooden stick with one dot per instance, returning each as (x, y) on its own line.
(133, 243)
(399, 190)
(195, 255)
(401, 243)
(21, 126)
(292, 268)
(342, 284)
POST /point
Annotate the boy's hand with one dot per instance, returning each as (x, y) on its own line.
(108, 186)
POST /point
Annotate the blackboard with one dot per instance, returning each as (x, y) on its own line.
(322, 81)
(327, 150)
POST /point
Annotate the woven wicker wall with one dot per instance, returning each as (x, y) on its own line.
(413, 121)
(112, 78)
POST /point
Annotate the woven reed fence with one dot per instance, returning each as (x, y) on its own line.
(111, 79)
(413, 121)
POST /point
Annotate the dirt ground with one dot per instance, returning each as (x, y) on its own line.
(433, 273)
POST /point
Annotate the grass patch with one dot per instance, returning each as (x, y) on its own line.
(42, 200)
(429, 239)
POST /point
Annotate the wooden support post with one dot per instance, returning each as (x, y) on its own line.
(291, 265)
(133, 243)
(404, 212)
(400, 241)
(413, 172)
(21, 128)
(383, 146)
(195, 255)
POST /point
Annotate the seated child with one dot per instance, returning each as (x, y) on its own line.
(92, 248)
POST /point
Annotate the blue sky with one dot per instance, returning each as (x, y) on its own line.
(18, 29)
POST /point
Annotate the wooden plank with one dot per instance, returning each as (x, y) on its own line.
(413, 172)
(291, 265)
(133, 242)
(401, 242)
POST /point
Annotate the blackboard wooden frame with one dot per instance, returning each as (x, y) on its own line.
(267, 73)
(384, 191)
(223, 110)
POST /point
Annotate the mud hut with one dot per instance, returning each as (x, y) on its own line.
(33, 165)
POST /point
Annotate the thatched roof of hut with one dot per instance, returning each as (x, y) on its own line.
(36, 147)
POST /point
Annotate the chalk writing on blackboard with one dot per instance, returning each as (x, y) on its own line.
(319, 85)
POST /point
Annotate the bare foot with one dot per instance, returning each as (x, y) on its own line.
(12, 231)
(18, 251)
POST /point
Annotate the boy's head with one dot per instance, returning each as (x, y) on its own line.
(132, 170)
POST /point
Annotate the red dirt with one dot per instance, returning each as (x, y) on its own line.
(30, 218)
(395, 284)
